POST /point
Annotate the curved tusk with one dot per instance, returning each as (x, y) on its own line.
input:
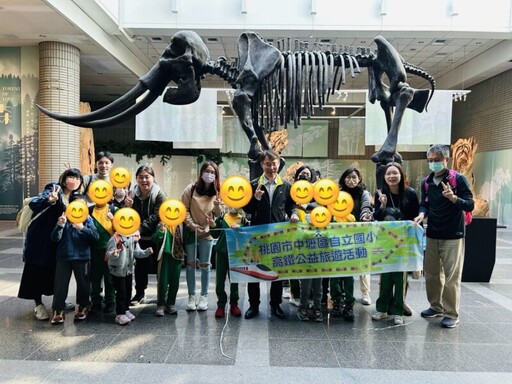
(112, 120)
(109, 110)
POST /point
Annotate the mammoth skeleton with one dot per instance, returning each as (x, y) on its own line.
(273, 87)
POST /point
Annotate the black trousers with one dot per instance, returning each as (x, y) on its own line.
(123, 287)
(142, 267)
(276, 293)
(63, 271)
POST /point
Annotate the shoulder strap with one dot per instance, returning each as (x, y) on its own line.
(452, 178)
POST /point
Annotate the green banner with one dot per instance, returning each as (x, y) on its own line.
(298, 250)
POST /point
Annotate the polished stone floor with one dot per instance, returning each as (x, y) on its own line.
(197, 348)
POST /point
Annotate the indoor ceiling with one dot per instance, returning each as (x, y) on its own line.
(104, 78)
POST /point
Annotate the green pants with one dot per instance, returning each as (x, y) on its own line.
(99, 271)
(168, 280)
(389, 299)
(222, 271)
(342, 289)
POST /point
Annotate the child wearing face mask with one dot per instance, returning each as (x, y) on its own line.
(203, 205)
(234, 218)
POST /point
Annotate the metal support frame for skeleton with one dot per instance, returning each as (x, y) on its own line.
(273, 86)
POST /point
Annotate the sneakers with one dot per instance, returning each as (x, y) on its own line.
(398, 320)
(294, 301)
(122, 319)
(160, 311)
(379, 316)
(191, 306)
(220, 312)
(336, 309)
(58, 317)
(348, 313)
(137, 299)
(366, 299)
(235, 310)
(82, 313)
(430, 313)
(302, 313)
(317, 316)
(202, 305)
(171, 309)
(286, 293)
(448, 322)
(130, 315)
(41, 313)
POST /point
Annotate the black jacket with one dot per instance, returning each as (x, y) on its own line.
(445, 219)
(262, 212)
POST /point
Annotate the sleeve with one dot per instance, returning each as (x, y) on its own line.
(366, 204)
(138, 252)
(413, 204)
(290, 205)
(464, 195)
(378, 214)
(57, 232)
(89, 230)
(423, 203)
(149, 226)
(252, 206)
(186, 199)
(111, 247)
(40, 202)
(158, 236)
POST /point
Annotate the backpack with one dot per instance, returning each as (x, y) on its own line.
(452, 179)
(24, 216)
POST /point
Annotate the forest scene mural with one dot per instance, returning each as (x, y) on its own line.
(19, 85)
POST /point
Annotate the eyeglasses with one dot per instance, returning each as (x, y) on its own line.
(436, 160)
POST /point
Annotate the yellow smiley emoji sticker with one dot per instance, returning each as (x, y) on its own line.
(172, 212)
(100, 191)
(126, 221)
(302, 192)
(320, 217)
(77, 211)
(120, 177)
(326, 191)
(236, 192)
(343, 205)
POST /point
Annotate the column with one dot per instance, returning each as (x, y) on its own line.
(59, 91)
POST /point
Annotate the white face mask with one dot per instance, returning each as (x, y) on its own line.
(208, 177)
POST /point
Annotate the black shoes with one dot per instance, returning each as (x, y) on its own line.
(278, 312)
(251, 312)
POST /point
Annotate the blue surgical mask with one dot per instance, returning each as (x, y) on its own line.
(208, 177)
(436, 166)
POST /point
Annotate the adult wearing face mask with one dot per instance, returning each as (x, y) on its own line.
(203, 205)
(444, 254)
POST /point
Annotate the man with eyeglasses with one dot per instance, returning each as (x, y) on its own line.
(271, 203)
(444, 255)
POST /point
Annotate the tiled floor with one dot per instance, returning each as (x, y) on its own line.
(197, 348)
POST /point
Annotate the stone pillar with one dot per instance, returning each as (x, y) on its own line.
(59, 91)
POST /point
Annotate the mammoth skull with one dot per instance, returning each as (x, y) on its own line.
(183, 62)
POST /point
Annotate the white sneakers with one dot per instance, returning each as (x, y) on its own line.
(160, 311)
(294, 301)
(191, 306)
(41, 313)
(202, 305)
(379, 316)
(122, 319)
(366, 299)
(399, 320)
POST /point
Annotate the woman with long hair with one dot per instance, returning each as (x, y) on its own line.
(39, 252)
(396, 201)
(203, 204)
(342, 288)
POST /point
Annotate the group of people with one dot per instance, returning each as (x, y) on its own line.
(52, 252)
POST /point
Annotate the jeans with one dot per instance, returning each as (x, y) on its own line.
(204, 254)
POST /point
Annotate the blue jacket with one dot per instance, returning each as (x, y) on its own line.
(74, 244)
